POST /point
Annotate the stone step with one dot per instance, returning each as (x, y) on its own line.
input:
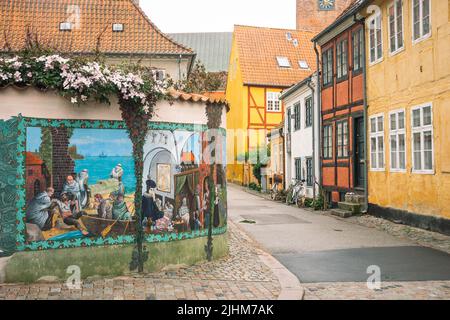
(341, 213)
(354, 198)
(354, 208)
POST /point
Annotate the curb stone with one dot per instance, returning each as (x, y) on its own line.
(291, 288)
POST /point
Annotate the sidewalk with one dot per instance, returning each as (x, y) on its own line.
(245, 274)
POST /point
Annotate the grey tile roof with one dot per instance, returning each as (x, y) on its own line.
(213, 48)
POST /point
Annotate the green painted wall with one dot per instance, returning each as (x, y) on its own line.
(108, 261)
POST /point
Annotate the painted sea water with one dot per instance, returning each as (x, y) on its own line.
(100, 169)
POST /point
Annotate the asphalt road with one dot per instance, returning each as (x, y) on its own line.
(320, 248)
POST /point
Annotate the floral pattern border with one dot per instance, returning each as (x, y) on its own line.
(23, 245)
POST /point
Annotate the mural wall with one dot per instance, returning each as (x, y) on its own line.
(78, 184)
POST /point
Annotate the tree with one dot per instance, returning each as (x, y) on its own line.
(200, 80)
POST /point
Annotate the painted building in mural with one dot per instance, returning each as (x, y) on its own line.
(263, 62)
(343, 157)
(408, 81)
(119, 30)
(302, 130)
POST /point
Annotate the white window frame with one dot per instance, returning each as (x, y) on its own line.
(273, 102)
(421, 130)
(377, 135)
(397, 48)
(283, 62)
(375, 17)
(422, 36)
(397, 132)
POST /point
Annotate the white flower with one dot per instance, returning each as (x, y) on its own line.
(17, 76)
(30, 74)
(84, 98)
(73, 100)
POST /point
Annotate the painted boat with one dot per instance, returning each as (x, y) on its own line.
(97, 225)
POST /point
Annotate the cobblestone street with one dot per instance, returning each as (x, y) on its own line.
(241, 276)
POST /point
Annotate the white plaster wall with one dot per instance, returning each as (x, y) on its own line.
(31, 102)
(302, 139)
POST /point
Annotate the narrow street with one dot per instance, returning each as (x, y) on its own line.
(330, 256)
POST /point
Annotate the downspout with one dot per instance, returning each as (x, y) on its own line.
(313, 137)
(179, 67)
(365, 106)
(319, 105)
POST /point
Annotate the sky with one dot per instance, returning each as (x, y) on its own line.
(112, 142)
(174, 16)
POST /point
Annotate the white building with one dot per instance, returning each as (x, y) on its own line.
(302, 129)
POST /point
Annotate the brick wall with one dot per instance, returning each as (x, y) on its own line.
(309, 17)
(63, 165)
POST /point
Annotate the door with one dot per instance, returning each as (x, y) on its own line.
(359, 153)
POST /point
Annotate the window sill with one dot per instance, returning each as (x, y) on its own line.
(430, 172)
(396, 52)
(423, 38)
(378, 170)
(376, 62)
(397, 170)
(342, 79)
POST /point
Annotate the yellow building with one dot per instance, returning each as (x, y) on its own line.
(408, 105)
(263, 62)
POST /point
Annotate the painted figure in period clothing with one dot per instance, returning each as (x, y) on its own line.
(117, 173)
(66, 204)
(150, 208)
(71, 186)
(120, 209)
(104, 207)
(216, 218)
(38, 210)
(206, 205)
(183, 213)
(168, 210)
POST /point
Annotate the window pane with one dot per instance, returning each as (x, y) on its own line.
(373, 127)
(402, 153)
(428, 150)
(417, 151)
(394, 152)
(393, 121)
(401, 120)
(426, 116)
(426, 16)
(380, 124)
(399, 24)
(380, 152)
(416, 118)
(416, 19)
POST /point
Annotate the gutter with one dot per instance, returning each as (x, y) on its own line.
(308, 83)
(319, 105)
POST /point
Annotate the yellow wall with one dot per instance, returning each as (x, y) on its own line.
(417, 75)
(237, 94)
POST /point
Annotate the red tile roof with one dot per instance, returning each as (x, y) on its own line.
(92, 22)
(259, 47)
(32, 159)
(195, 97)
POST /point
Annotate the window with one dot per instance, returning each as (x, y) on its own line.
(65, 26)
(283, 62)
(289, 115)
(308, 112)
(117, 27)
(159, 75)
(298, 169)
(375, 39)
(297, 116)
(377, 143)
(421, 19)
(309, 175)
(397, 140)
(273, 101)
(395, 14)
(303, 64)
(357, 39)
(327, 66)
(422, 139)
(341, 58)
(328, 142)
(342, 138)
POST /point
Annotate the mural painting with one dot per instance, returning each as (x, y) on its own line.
(80, 184)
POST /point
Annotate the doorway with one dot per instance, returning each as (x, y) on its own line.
(359, 153)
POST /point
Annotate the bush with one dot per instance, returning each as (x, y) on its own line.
(254, 186)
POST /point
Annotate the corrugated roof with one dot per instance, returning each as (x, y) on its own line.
(258, 49)
(92, 22)
(213, 48)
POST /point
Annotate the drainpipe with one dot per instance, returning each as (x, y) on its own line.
(310, 86)
(319, 104)
(366, 169)
(179, 67)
